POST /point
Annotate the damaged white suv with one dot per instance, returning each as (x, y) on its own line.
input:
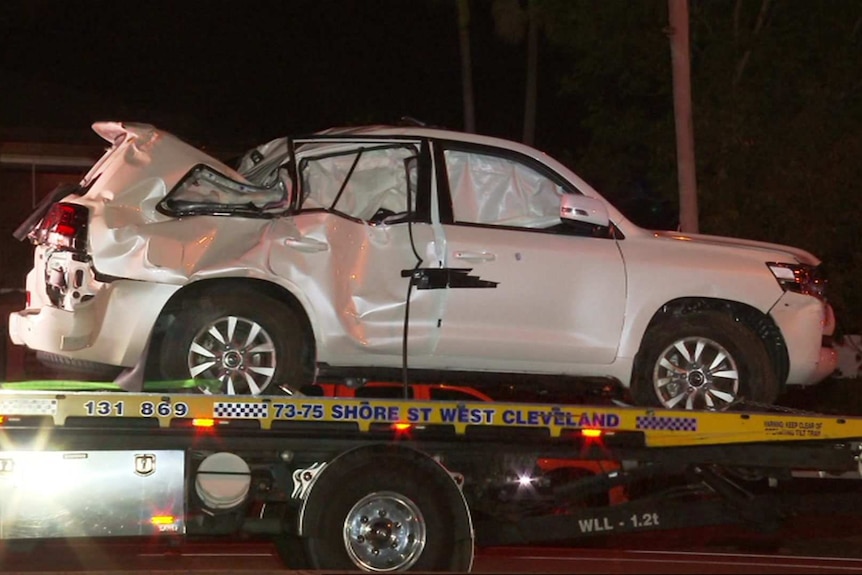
(409, 250)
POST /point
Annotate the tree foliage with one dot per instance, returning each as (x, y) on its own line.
(777, 100)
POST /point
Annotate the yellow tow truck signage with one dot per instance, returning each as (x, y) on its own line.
(659, 427)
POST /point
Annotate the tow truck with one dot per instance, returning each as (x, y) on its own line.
(401, 484)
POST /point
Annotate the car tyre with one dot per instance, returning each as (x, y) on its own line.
(239, 343)
(704, 360)
(79, 369)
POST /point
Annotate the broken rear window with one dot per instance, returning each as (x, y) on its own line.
(204, 191)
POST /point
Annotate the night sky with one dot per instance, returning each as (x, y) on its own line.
(246, 72)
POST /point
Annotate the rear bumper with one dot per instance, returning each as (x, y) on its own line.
(113, 328)
(51, 329)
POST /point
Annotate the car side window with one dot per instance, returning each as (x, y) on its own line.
(500, 191)
(375, 184)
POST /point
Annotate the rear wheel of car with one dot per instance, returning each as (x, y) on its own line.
(704, 360)
(237, 343)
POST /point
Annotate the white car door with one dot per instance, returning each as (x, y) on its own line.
(361, 227)
(526, 291)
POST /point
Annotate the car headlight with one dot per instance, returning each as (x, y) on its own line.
(800, 278)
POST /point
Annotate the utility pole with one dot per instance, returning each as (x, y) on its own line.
(466, 65)
(686, 172)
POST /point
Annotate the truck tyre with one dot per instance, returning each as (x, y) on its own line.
(386, 509)
(703, 360)
(290, 551)
(238, 343)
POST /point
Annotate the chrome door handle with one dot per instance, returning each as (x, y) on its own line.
(474, 256)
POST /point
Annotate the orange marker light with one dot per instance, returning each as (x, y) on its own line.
(402, 429)
(592, 437)
(163, 520)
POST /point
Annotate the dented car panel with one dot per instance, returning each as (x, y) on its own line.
(131, 238)
(805, 322)
(388, 247)
(350, 274)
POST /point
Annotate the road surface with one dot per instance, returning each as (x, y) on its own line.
(133, 557)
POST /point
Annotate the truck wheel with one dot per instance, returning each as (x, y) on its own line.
(241, 343)
(379, 509)
(290, 551)
(705, 360)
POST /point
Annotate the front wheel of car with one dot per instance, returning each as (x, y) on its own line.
(238, 343)
(704, 360)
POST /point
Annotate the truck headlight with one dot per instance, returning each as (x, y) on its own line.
(800, 278)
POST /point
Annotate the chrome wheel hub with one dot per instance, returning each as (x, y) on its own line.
(384, 531)
(235, 352)
(696, 373)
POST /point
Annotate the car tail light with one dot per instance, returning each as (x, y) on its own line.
(63, 227)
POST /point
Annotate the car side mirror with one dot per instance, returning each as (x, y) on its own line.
(584, 209)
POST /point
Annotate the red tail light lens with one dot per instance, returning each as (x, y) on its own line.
(64, 227)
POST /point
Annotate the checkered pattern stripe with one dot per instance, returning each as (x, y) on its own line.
(28, 406)
(240, 410)
(666, 423)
